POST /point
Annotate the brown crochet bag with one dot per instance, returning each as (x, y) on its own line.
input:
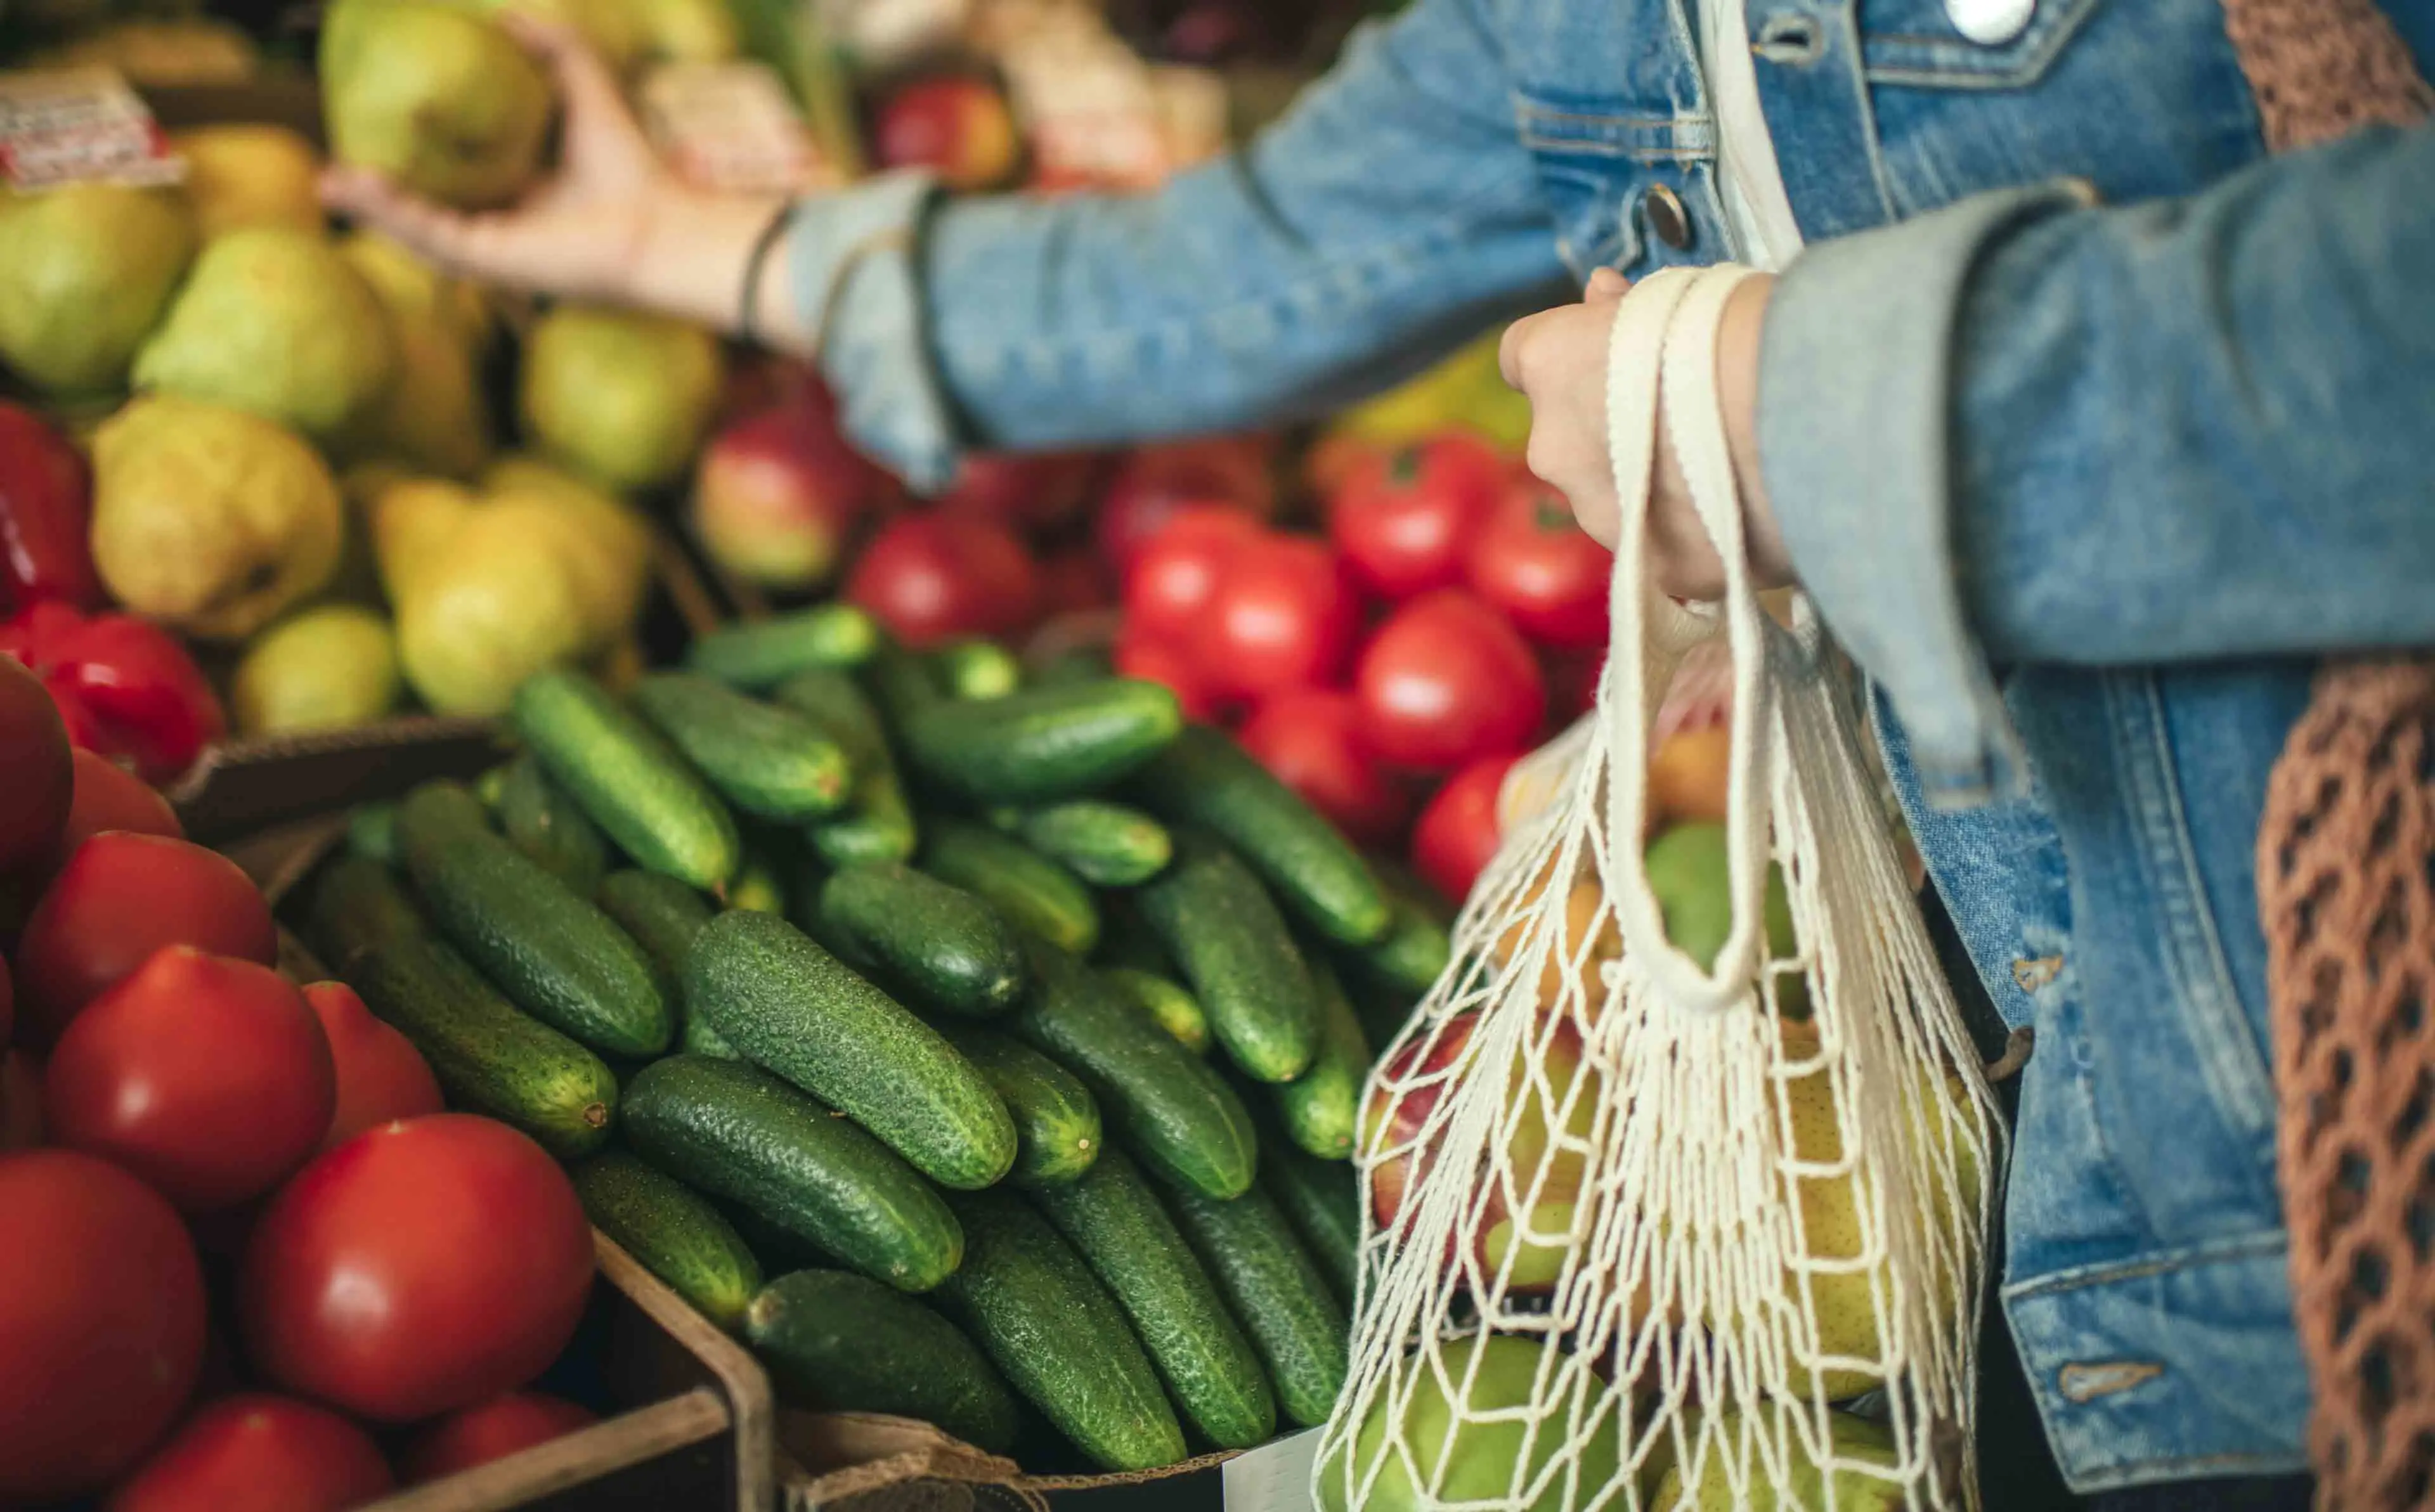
(2347, 900)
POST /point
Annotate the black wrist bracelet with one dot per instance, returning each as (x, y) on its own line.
(747, 304)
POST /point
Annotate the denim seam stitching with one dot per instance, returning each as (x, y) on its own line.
(2028, 69)
(2191, 1256)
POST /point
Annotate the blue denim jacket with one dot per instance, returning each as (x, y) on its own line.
(2088, 428)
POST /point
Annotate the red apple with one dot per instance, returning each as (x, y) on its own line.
(955, 125)
(1037, 492)
(779, 490)
(930, 576)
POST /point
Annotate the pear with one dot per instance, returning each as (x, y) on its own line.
(689, 32)
(154, 52)
(85, 271)
(607, 544)
(208, 519)
(249, 175)
(621, 397)
(413, 521)
(410, 286)
(615, 29)
(494, 606)
(431, 416)
(435, 95)
(273, 320)
(1804, 1481)
(326, 667)
(1468, 1459)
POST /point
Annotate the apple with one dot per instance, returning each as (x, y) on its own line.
(779, 492)
(1037, 493)
(955, 125)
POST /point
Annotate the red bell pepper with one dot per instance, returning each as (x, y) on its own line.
(125, 686)
(45, 516)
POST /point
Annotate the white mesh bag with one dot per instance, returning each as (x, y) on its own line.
(1636, 1224)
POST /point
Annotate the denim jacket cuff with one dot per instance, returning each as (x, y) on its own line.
(854, 258)
(1854, 415)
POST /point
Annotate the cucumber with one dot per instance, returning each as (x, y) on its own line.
(793, 1007)
(641, 792)
(877, 824)
(1036, 1310)
(1107, 845)
(903, 684)
(1025, 887)
(1042, 744)
(659, 914)
(1172, 1109)
(1217, 922)
(1112, 1217)
(762, 655)
(757, 885)
(556, 956)
(976, 669)
(1080, 663)
(734, 1131)
(834, 1340)
(544, 824)
(371, 831)
(673, 1234)
(1320, 1109)
(358, 903)
(1167, 1004)
(1322, 1203)
(940, 946)
(768, 759)
(700, 1038)
(1278, 1294)
(1055, 1122)
(1409, 960)
(1205, 778)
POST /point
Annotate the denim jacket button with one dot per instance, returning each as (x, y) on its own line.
(1990, 23)
(1669, 221)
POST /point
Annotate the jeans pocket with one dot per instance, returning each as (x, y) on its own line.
(1916, 44)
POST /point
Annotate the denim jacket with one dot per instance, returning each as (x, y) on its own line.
(2089, 429)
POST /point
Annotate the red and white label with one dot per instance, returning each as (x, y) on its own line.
(80, 126)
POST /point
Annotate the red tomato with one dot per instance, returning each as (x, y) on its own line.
(1534, 561)
(40, 780)
(1446, 682)
(1156, 481)
(1311, 739)
(208, 1077)
(1404, 519)
(109, 796)
(382, 1077)
(21, 1101)
(1174, 576)
(1284, 617)
(496, 1429)
(931, 577)
(1456, 836)
(261, 1453)
(101, 1322)
(120, 897)
(418, 1268)
(1038, 491)
(1152, 661)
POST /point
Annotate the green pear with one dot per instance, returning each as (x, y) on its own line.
(249, 175)
(413, 288)
(495, 604)
(327, 667)
(621, 396)
(613, 29)
(607, 543)
(273, 320)
(431, 416)
(1471, 1460)
(689, 32)
(1690, 871)
(435, 95)
(1805, 1483)
(85, 271)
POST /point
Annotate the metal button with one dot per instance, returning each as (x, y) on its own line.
(1990, 23)
(1668, 220)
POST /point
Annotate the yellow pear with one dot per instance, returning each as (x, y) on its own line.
(413, 287)
(249, 175)
(432, 416)
(1800, 1485)
(621, 396)
(435, 95)
(494, 606)
(414, 521)
(85, 271)
(327, 667)
(688, 32)
(608, 543)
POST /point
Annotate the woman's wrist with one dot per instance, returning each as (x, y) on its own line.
(693, 251)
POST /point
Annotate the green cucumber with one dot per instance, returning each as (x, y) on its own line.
(1278, 1294)
(1172, 1107)
(1112, 1217)
(358, 903)
(877, 824)
(555, 954)
(1042, 744)
(734, 1131)
(976, 669)
(1036, 1310)
(940, 946)
(765, 653)
(833, 1340)
(641, 792)
(757, 885)
(1217, 922)
(1321, 1202)
(1168, 1005)
(659, 914)
(371, 831)
(1204, 777)
(672, 1233)
(1055, 1122)
(1320, 1109)
(791, 1007)
(702, 1038)
(1411, 958)
(1107, 845)
(544, 824)
(1078, 663)
(903, 684)
(1029, 889)
(769, 761)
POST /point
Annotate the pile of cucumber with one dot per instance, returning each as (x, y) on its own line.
(1015, 1026)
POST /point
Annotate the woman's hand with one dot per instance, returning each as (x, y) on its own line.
(1559, 359)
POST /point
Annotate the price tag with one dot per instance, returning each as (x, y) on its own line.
(731, 127)
(1273, 1477)
(79, 125)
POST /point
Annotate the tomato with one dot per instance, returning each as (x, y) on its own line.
(1073, 583)
(1156, 481)
(1284, 617)
(1311, 738)
(109, 796)
(1155, 661)
(21, 1101)
(496, 1429)
(261, 1453)
(1444, 682)
(1456, 836)
(1174, 576)
(1534, 561)
(101, 1322)
(1404, 519)
(931, 577)
(1038, 491)
(206, 1076)
(381, 1076)
(120, 897)
(40, 780)
(418, 1268)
